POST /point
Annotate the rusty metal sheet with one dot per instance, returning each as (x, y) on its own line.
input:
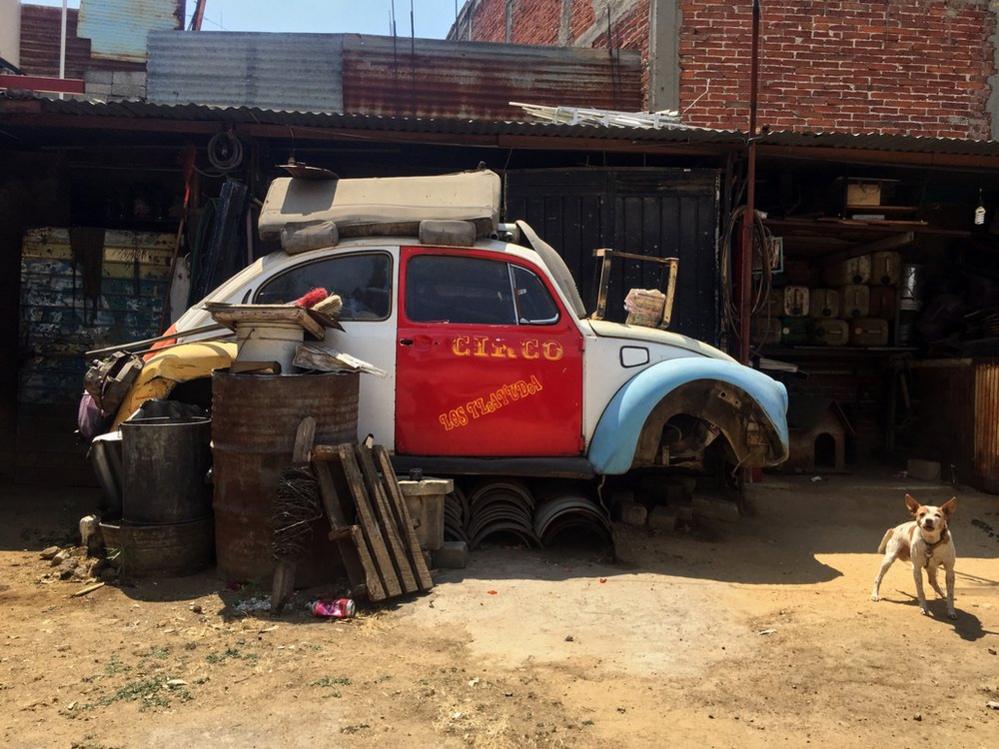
(477, 80)
(986, 414)
(117, 29)
(254, 421)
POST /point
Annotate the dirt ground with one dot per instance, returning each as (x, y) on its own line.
(749, 634)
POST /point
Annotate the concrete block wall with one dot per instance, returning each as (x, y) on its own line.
(910, 67)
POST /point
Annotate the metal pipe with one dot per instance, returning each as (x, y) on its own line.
(748, 219)
(62, 45)
(148, 341)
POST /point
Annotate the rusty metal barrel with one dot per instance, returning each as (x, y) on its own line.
(254, 420)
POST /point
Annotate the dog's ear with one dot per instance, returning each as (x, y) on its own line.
(949, 506)
(911, 504)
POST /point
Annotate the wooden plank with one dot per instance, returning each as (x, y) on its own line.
(304, 439)
(368, 523)
(388, 521)
(232, 315)
(350, 542)
(405, 520)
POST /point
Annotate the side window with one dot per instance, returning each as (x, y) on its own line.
(445, 288)
(535, 305)
(363, 281)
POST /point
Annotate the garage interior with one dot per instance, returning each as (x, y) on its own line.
(906, 372)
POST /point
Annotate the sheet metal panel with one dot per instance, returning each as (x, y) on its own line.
(118, 28)
(986, 414)
(283, 72)
(430, 78)
(656, 212)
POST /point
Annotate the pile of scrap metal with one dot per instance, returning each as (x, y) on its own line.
(507, 508)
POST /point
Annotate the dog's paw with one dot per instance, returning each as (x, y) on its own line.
(952, 615)
(875, 597)
(925, 612)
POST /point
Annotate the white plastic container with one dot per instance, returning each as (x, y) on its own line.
(266, 342)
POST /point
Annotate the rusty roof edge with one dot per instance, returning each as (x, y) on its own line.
(234, 115)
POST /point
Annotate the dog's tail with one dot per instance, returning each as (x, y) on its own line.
(885, 540)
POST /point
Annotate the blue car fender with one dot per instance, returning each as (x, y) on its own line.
(615, 439)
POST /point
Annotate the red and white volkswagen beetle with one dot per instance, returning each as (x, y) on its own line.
(493, 365)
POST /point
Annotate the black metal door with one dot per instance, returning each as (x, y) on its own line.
(649, 211)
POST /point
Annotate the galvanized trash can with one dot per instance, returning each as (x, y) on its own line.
(166, 462)
(166, 527)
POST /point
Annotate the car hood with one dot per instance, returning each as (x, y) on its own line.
(606, 329)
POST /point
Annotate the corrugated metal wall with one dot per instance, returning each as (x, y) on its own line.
(40, 31)
(117, 29)
(383, 76)
(658, 212)
(295, 72)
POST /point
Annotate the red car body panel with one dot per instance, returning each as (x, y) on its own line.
(487, 390)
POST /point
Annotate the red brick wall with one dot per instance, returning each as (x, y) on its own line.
(536, 22)
(489, 21)
(917, 67)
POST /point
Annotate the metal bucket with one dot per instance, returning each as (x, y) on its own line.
(165, 464)
(255, 418)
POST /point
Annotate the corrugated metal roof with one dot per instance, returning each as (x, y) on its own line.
(879, 142)
(384, 75)
(236, 115)
(703, 136)
(117, 29)
(300, 72)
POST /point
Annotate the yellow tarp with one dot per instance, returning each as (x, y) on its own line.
(163, 371)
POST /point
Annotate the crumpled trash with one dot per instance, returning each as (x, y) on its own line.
(251, 605)
(645, 307)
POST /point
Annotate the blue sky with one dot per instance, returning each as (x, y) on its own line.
(433, 17)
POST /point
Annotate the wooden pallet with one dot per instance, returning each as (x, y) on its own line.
(369, 521)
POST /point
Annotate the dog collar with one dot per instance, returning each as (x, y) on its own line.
(931, 547)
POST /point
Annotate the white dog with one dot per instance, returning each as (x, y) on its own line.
(927, 541)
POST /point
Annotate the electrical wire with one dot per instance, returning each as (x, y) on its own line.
(763, 252)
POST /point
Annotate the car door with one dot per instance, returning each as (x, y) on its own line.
(488, 361)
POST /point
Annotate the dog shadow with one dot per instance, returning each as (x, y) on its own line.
(967, 626)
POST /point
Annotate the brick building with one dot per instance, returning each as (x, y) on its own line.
(906, 67)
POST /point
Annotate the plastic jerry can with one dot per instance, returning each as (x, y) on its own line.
(795, 330)
(854, 270)
(856, 301)
(765, 330)
(884, 302)
(823, 303)
(886, 268)
(796, 301)
(831, 332)
(866, 331)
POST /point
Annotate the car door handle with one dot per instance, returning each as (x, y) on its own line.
(405, 341)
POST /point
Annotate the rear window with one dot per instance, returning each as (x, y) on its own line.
(363, 281)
